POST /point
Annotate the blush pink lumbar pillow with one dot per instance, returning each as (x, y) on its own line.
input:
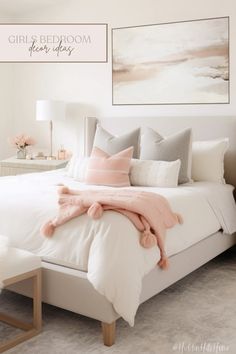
(109, 170)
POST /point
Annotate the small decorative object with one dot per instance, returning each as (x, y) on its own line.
(20, 142)
(61, 154)
(40, 156)
(29, 157)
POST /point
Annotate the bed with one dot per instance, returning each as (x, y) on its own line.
(78, 294)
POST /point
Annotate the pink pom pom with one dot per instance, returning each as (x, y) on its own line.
(95, 211)
(147, 239)
(63, 190)
(47, 229)
(164, 263)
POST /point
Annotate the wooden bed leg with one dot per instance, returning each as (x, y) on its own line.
(108, 332)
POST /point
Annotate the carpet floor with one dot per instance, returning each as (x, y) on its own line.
(195, 315)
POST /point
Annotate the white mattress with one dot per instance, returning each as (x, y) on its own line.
(108, 249)
(27, 201)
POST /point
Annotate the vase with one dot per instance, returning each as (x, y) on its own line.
(21, 154)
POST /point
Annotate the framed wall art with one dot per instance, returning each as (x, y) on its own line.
(171, 63)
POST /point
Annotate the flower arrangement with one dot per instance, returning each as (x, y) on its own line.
(21, 141)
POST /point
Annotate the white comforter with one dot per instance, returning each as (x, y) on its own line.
(108, 249)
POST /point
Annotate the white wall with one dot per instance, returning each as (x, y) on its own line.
(87, 87)
(6, 97)
(6, 117)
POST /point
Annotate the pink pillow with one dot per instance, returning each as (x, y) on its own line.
(109, 170)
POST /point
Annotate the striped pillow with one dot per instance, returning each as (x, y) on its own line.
(109, 170)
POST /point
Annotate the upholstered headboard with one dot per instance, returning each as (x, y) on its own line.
(204, 128)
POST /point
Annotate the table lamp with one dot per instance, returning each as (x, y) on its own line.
(47, 110)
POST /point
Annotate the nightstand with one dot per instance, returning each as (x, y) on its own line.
(14, 166)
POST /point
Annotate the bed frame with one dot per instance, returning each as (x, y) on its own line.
(77, 294)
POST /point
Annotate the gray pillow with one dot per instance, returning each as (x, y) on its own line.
(171, 148)
(113, 144)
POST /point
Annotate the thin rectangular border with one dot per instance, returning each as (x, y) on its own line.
(171, 104)
(61, 24)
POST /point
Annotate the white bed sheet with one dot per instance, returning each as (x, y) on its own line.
(103, 248)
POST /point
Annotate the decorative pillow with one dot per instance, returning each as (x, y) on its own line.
(154, 173)
(208, 160)
(70, 167)
(80, 169)
(171, 148)
(77, 168)
(113, 144)
(107, 170)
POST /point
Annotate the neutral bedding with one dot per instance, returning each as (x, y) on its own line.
(103, 248)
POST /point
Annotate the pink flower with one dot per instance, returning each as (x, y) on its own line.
(21, 141)
(29, 141)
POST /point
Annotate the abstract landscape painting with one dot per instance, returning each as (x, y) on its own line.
(173, 63)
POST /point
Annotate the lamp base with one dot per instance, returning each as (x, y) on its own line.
(51, 158)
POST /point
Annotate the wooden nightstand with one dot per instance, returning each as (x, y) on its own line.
(14, 166)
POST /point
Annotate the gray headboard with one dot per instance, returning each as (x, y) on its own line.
(204, 128)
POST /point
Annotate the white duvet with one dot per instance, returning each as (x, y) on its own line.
(108, 249)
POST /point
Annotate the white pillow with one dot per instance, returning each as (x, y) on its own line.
(70, 167)
(77, 168)
(80, 169)
(151, 173)
(208, 160)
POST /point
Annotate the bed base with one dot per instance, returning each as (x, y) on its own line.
(79, 296)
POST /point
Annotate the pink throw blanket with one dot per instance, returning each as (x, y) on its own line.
(149, 212)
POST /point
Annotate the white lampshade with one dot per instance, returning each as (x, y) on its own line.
(50, 110)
